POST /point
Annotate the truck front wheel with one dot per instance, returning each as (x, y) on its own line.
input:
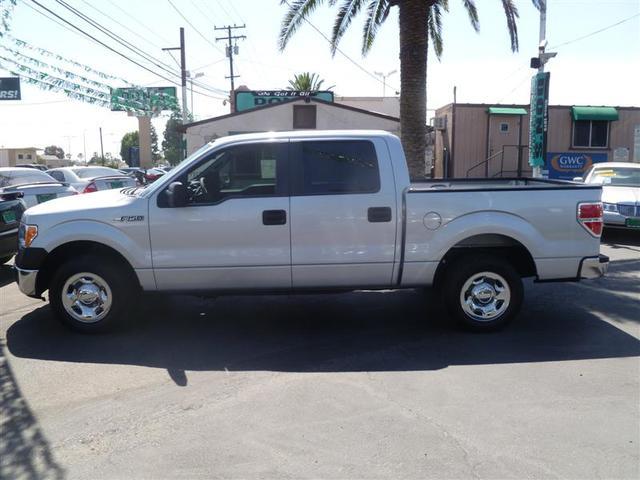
(90, 293)
(482, 293)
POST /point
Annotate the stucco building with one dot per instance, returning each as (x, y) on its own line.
(485, 140)
(300, 113)
(10, 157)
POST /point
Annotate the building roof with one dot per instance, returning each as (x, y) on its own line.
(184, 127)
(526, 105)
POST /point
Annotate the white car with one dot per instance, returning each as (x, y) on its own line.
(36, 186)
(620, 192)
(92, 179)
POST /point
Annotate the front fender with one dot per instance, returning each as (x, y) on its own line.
(131, 240)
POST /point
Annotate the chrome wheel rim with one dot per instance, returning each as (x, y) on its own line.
(485, 296)
(86, 297)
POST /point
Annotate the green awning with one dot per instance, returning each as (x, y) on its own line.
(594, 113)
(506, 111)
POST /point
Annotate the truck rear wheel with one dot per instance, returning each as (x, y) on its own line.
(482, 293)
(90, 294)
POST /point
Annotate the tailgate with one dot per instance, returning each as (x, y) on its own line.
(108, 183)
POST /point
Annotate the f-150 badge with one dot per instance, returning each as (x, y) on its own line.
(130, 218)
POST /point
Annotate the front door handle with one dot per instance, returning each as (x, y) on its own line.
(379, 214)
(274, 217)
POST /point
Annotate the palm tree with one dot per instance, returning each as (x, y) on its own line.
(420, 20)
(307, 82)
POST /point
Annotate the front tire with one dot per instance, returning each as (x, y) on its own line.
(91, 294)
(482, 293)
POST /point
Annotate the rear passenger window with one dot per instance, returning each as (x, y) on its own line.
(339, 167)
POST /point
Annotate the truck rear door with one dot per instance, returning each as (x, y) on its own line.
(343, 213)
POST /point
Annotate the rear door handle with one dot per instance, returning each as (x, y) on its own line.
(379, 214)
(274, 217)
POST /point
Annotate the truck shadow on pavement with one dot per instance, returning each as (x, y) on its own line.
(362, 331)
(6, 275)
(24, 452)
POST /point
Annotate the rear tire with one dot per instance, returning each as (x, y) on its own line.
(91, 293)
(482, 293)
(4, 260)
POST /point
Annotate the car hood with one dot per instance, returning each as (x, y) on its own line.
(101, 206)
(620, 194)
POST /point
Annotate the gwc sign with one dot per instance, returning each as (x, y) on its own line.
(9, 88)
(567, 165)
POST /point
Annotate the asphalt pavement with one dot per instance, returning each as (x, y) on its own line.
(358, 385)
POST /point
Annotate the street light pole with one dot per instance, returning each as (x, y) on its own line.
(384, 80)
(191, 78)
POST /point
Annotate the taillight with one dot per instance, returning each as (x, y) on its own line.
(90, 188)
(590, 217)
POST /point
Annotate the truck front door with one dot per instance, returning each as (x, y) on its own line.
(343, 213)
(235, 231)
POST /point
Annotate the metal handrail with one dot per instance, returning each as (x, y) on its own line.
(501, 152)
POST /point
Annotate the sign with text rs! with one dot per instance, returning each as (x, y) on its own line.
(568, 165)
(10, 88)
(538, 118)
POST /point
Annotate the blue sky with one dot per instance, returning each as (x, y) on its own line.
(601, 69)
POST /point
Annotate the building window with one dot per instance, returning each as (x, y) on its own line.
(590, 134)
(20, 156)
(504, 127)
(304, 116)
(28, 156)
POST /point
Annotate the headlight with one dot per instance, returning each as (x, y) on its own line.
(610, 207)
(26, 235)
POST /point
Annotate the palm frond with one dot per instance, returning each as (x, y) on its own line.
(298, 12)
(377, 13)
(470, 6)
(434, 26)
(346, 12)
(511, 12)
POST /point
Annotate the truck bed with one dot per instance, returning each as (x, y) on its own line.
(488, 184)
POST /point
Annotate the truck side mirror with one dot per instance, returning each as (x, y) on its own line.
(176, 195)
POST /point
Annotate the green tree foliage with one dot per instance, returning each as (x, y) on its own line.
(54, 150)
(172, 143)
(307, 82)
(420, 21)
(130, 139)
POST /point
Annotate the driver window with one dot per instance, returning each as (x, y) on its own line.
(242, 171)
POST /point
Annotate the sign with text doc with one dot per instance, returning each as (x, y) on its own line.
(567, 165)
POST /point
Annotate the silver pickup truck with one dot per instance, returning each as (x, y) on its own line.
(308, 211)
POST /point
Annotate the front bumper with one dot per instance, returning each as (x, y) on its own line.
(593, 267)
(27, 280)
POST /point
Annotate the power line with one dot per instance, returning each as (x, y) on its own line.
(145, 39)
(360, 67)
(138, 51)
(194, 28)
(128, 14)
(596, 31)
(108, 47)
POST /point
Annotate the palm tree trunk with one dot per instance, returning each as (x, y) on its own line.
(413, 82)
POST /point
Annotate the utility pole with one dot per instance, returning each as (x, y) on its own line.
(538, 113)
(101, 147)
(183, 76)
(231, 50)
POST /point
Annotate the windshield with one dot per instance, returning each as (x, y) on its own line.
(92, 172)
(27, 176)
(178, 168)
(616, 176)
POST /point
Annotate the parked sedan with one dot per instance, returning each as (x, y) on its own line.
(92, 179)
(11, 208)
(620, 192)
(36, 186)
